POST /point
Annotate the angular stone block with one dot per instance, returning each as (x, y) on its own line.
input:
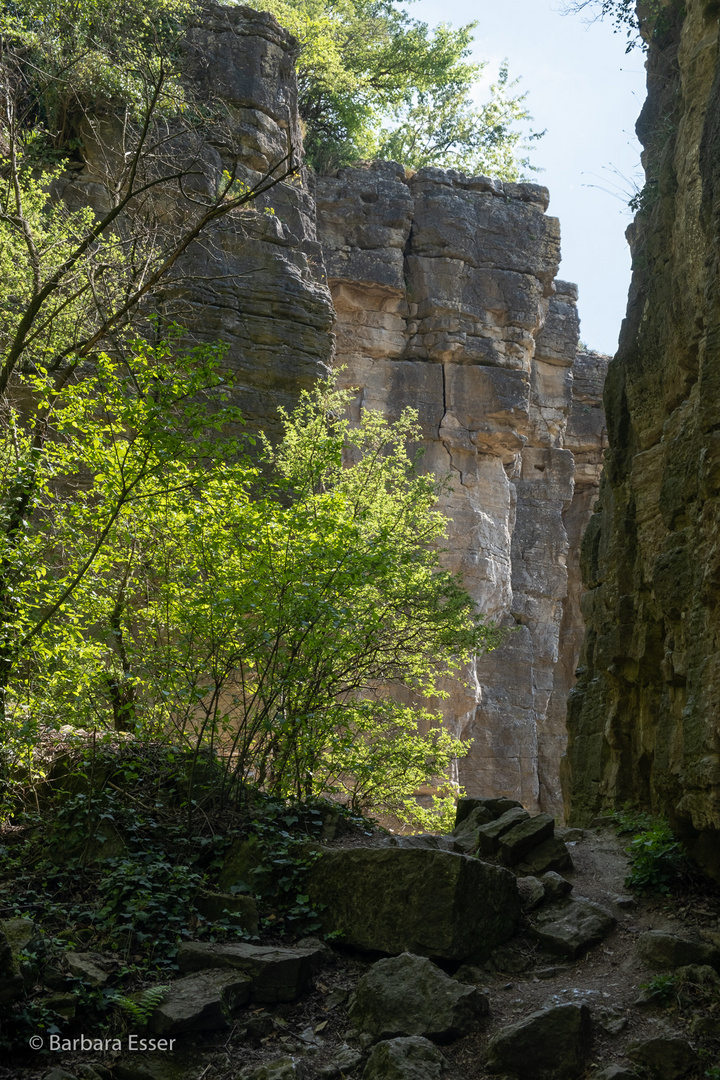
(431, 903)
(275, 974)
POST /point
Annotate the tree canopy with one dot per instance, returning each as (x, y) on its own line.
(374, 82)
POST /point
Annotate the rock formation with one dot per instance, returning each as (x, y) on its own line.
(445, 298)
(446, 301)
(644, 716)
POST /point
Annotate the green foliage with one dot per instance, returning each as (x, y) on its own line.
(141, 1008)
(658, 859)
(661, 988)
(443, 127)
(297, 623)
(89, 56)
(641, 22)
(374, 82)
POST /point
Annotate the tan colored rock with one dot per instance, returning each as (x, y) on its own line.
(444, 291)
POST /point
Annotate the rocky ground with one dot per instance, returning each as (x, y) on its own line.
(597, 982)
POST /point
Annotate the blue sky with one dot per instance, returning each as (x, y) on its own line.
(587, 93)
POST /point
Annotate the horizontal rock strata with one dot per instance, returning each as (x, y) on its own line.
(446, 300)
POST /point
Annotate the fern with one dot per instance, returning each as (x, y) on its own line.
(141, 1009)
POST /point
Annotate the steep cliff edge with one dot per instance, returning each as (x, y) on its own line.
(643, 719)
(446, 300)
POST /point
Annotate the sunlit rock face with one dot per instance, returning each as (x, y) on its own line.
(435, 291)
(446, 300)
(644, 717)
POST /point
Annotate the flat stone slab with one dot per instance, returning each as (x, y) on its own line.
(93, 968)
(430, 903)
(275, 974)
(570, 927)
(205, 1001)
(551, 1044)
(522, 838)
(489, 835)
(409, 995)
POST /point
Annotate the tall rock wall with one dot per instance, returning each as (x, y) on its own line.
(644, 724)
(446, 300)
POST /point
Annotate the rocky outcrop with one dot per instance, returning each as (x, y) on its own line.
(643, 718)
(446, 300)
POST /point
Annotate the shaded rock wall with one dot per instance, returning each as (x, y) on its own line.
(644, 717)
(446, 300)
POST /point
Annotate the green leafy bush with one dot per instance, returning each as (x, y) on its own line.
(657, 857)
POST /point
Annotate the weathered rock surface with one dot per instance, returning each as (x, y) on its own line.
(205, 1001)
(662, 950)
(409, 995)
(443, 287)
(431, 903)
(570, 927)
(275, 974)
(666, 1058)
(551, 1044)
(406, 1059)
(643, 718)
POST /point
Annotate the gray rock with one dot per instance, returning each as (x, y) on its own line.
(570, 836)
(285, 1068)
(556, 886)
(612, 1021)
(233, 907)
(344, 1062)
(509, 958)
(661, 950)
(60, 1074)
(205, 1001)
(423, 840)
(64, 1004)
(465, 834)
(551, 1044)
(93, 968)
(430, 903)
(550, 855)
(489, 835)
(615, 1072)
(570, 927)
(524, 837)
(532, 892)
(409, 995)
(625, 903)
(18, 933)
(666, 1057)
(698, 974)
(275, 974)
(406, 1059)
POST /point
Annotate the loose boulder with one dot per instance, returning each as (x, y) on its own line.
(551, 1044)
(523, 837)
(206, 1001)
(275, 974)
(430, 903)
(465, 834)
(570, 927)
(409, 995)
(661, 950)
(489, 835)
(666, 1058)
(406, 1059)
(550, 855)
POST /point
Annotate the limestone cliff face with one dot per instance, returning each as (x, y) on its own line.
(446, 300)
(254, 280)
(644, 717)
